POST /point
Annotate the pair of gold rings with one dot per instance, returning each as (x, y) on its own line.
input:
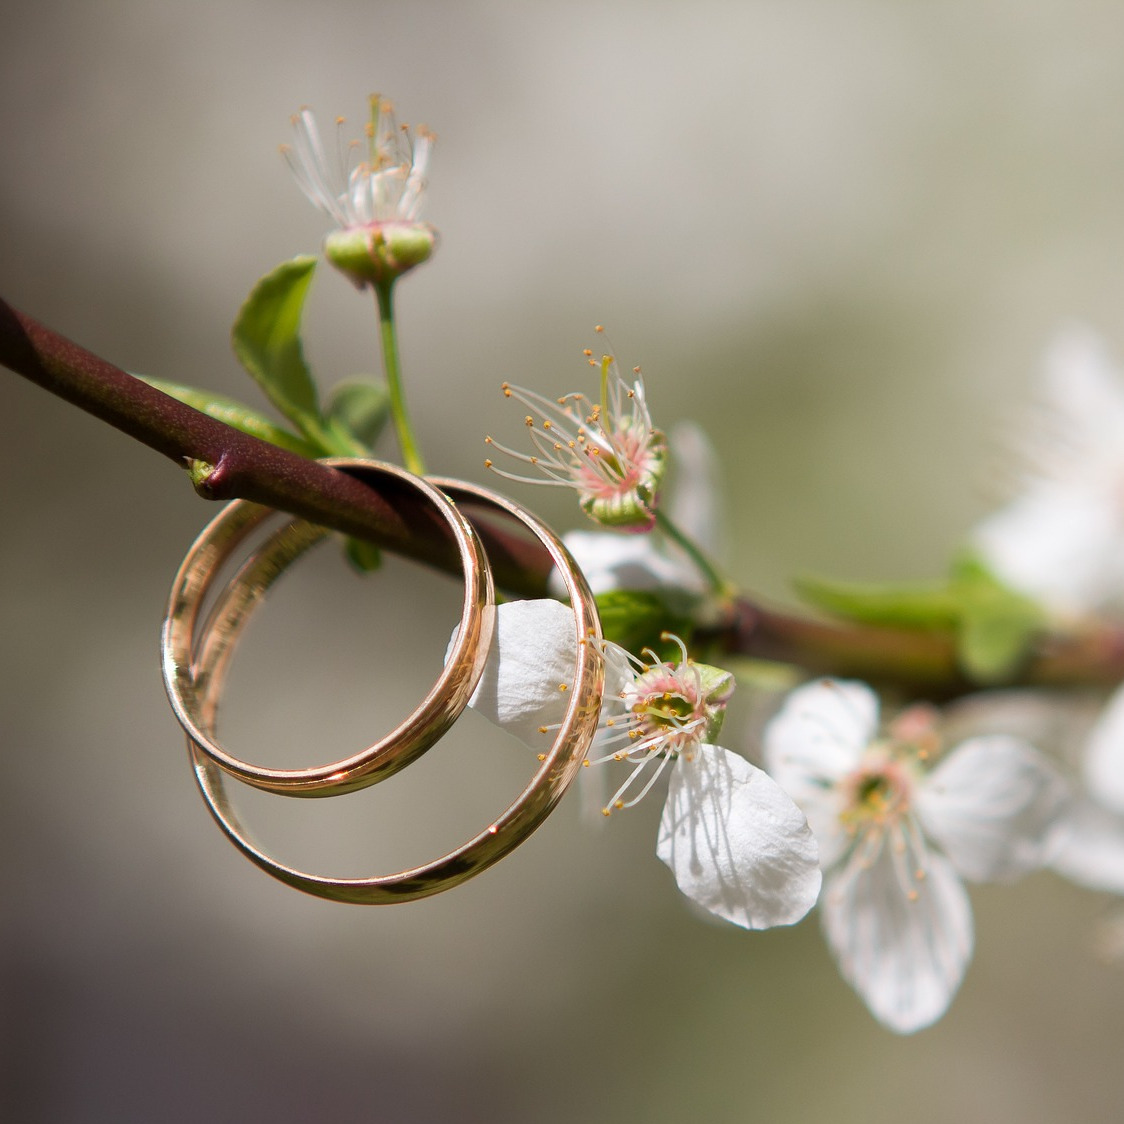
(197, 648)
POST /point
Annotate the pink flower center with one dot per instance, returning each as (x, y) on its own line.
(668, 704)
(628, 463)
(877, 794)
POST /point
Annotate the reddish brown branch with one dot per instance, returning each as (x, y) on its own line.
(248, 468)
(921, 662)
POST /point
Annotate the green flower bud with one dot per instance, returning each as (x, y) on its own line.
(379, 253)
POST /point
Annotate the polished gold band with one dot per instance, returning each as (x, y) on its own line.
(213, 644)
(197, 578)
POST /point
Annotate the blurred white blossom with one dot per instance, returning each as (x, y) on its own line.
(1088, 840)
(1061, 539)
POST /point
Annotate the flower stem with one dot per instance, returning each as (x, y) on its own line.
(411, 455)
(720, 586)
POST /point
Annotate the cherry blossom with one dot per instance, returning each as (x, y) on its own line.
(1088, 839)
(1060, 540)
(372, 189)
(735, 842)
(899, 829)
(607, 450)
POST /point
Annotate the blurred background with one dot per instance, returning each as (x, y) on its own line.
(837, 234)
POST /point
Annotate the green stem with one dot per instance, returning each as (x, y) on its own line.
(719, 585)
(411, 455)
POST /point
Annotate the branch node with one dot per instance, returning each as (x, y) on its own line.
(209, 480)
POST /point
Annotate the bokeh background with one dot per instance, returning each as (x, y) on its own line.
(838, 233)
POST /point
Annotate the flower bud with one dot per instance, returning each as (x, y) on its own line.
(381, 252)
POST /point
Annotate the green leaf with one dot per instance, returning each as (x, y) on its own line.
(362, 408)
(364, 556)
(970, 569)
(991, 646)
(997, 624)
(906, 606)
(234, 413)
(993, 626)
(635, 619)
(267, 341)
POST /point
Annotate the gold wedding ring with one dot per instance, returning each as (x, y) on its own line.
(203, 655)
(188, 688)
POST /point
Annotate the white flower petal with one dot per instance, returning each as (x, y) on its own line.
(627, 561)
(534, 652)
(822, 727)
(1058, 543)
(1082, 387)
(694, 499)
(1088, 847)
(990, 806)
(1062, 539)
(1104, 756)
(812, 743)
(906, 958)
(737, 845)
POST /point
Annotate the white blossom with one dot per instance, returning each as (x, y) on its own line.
(897, 834)
(1088, 840)
(1061, 539)
(735, 842)
(372, 189)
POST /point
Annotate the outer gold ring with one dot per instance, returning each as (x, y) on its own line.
(556, 770)
(188, 688)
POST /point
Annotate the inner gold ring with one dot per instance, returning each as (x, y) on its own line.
(188, 687)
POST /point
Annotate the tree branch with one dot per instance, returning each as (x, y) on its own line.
(245, 467)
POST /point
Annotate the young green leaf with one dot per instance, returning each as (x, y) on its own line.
(361, 408)
(234, 413)
(364, 556)
(267, 341)
(635, 619)
(907, 606)
(997, 624)
(990, 646)
(993, 625)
